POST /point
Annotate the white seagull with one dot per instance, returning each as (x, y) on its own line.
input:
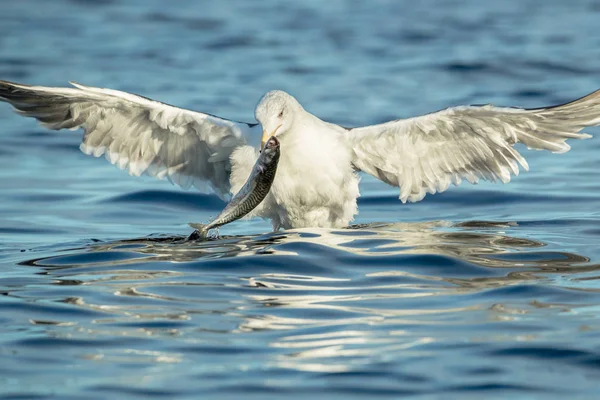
(317, 178)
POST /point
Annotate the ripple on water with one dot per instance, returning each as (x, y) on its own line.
(437, 309)
(363, 313)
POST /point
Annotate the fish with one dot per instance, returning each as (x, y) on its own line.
(250, 195)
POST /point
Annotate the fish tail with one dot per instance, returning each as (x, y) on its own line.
(200, 232)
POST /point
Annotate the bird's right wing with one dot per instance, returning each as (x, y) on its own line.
(135, 133)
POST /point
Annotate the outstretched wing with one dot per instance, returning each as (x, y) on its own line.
(425, 154)
(135, 133)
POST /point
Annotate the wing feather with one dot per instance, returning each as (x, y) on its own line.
(138, 134)
(425, 154)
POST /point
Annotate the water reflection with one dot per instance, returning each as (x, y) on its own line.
(436, 253)
(320, 300)
(476, 241)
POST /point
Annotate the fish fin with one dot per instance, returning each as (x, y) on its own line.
(199, 233)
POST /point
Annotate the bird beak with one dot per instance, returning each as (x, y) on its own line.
(266, 137)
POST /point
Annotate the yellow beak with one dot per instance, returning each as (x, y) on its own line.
(266, 137)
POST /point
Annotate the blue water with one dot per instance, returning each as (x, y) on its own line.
(484, 291)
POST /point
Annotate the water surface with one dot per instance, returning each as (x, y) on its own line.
(480, 292)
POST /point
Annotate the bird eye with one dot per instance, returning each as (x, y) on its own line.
(280, 114)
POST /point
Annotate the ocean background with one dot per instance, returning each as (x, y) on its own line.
(487, 291)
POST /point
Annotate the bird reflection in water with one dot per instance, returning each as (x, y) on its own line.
(335, 295)
(483, 243)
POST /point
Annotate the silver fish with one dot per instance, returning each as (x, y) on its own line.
(250, 195)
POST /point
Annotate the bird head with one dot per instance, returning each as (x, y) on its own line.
(275, 112)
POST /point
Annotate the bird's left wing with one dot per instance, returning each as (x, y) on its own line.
(144, 136)
(425, 154)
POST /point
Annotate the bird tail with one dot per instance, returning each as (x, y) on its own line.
(200, 231)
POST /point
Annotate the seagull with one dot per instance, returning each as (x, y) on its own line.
(317, 182)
